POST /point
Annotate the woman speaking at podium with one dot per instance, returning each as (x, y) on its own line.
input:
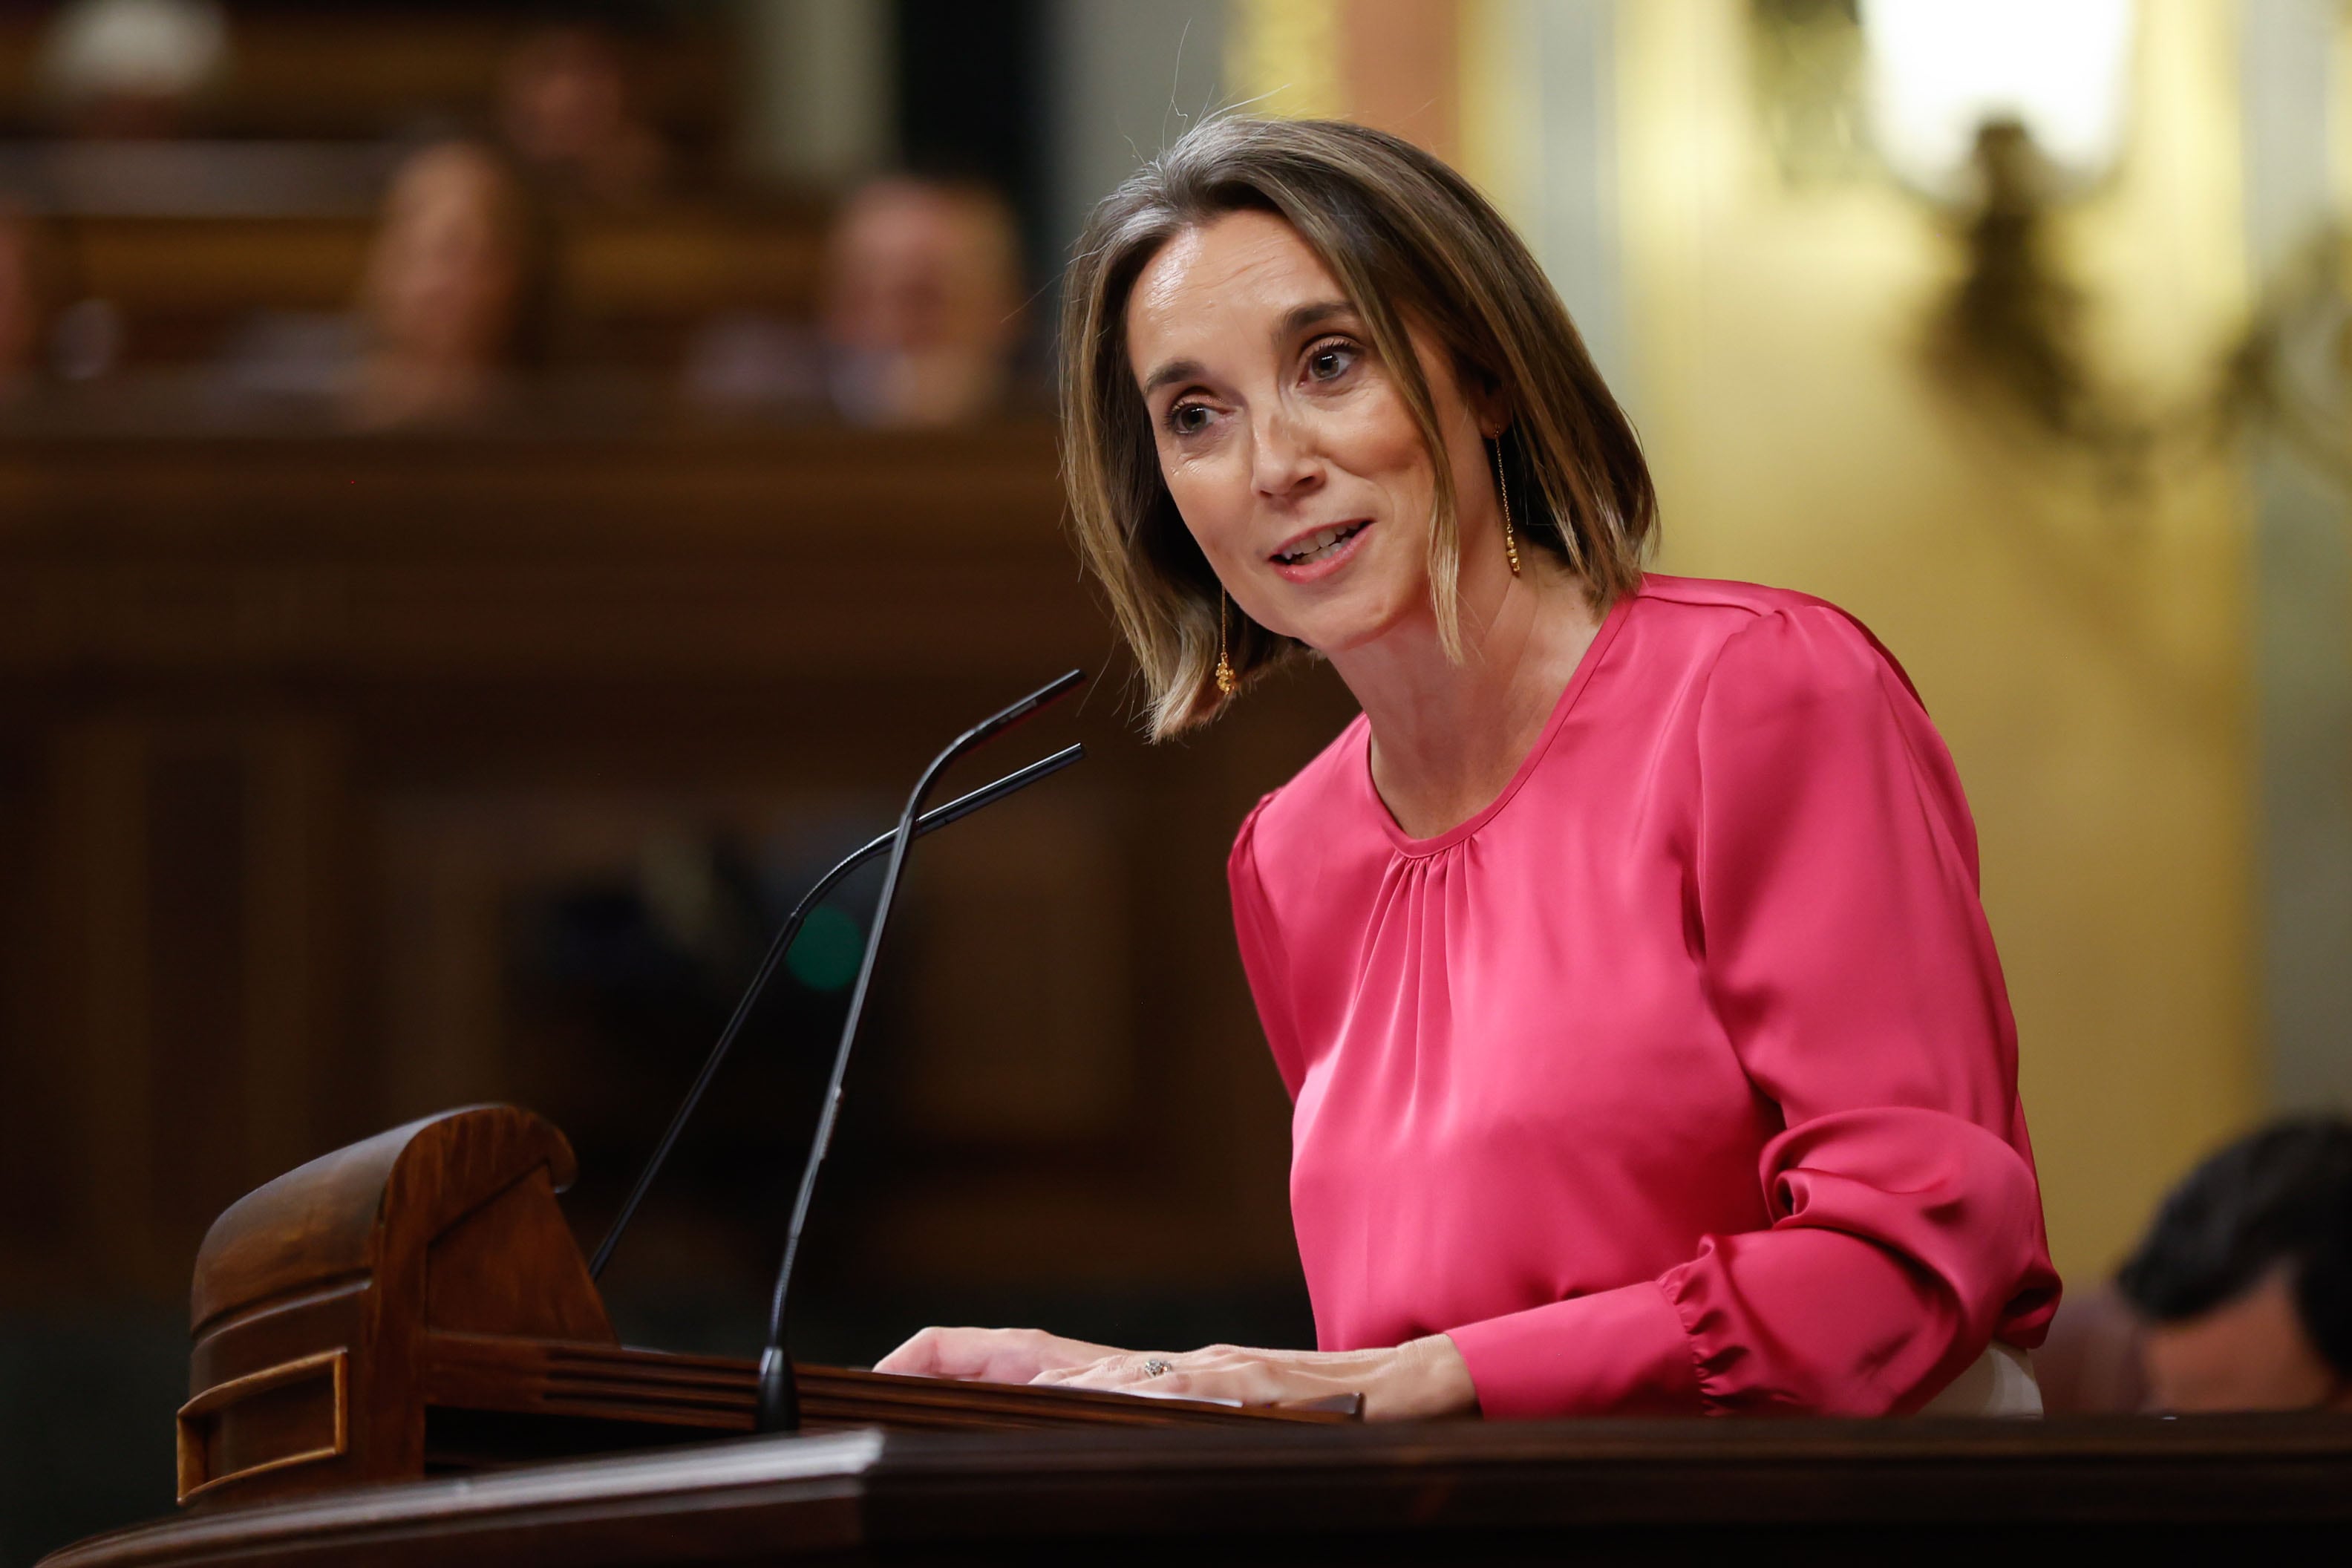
(1623, 959)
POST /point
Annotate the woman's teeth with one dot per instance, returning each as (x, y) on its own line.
(1315, 546)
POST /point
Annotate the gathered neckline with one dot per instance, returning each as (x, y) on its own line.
(1405, 843)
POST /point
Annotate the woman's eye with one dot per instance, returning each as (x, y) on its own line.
(1188, 419)
(1328, 362)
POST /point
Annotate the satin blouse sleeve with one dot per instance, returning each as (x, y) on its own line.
(1833, 886)
(1261, 946)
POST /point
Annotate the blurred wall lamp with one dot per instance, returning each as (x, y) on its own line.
(2004, 110)
(1939, 74)
(1997, 112)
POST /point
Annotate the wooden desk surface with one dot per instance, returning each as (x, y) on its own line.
(1597, 1490)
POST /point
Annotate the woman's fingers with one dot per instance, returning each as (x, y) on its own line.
(1221, 1372)
(927, 1354)
(1422, 1378)
(1120, 1372)
(988, 1356)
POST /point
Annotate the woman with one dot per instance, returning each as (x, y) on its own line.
(1624, 959)
(454, 282)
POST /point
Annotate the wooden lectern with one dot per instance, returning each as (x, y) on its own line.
(415, 1304)
(1973, 1494)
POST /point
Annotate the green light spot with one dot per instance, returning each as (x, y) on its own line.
(825, 955)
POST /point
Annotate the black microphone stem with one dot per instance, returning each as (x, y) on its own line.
(962, 806)
(779, 1398)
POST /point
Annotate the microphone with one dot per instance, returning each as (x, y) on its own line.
(955, 810)
(779, 1402)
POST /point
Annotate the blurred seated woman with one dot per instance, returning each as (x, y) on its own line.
(451, 309)
(1624, 959)
(451, 284)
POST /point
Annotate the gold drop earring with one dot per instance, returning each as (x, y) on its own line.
(1225, 681)
(1503, 488)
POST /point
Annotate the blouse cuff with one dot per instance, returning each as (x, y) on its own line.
(1615, 1352)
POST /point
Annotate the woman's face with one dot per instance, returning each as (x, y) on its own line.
(446, 267)
(1283, 441)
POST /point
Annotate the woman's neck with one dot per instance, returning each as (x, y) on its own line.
(1448, 735)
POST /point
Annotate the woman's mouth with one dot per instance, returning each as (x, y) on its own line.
(1304, 556)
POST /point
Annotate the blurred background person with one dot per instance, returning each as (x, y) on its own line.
(567, 112)
(2245, 1277)
(451, 293)
(919, 320)
(922, 303)
(449, 313)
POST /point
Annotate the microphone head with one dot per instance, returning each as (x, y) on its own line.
(1053, 691)
(1061, 686)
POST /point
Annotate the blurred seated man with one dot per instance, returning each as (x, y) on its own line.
(919, 323)
(2245, 1278)
(922, 303)
(452, 285)
(565, 109)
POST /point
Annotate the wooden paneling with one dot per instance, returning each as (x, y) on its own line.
(306, 735)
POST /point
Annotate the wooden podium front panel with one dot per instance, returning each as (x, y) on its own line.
(1977, 1492)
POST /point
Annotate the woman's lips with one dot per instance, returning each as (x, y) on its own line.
(1326, 560)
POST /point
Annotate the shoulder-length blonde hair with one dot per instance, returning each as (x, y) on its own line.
(1409, 241)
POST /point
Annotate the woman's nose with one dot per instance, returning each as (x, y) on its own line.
(1283, 462)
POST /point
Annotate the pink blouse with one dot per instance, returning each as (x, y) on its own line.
(1681, 1078)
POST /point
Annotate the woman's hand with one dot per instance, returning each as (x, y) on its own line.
(1420, 1378)
(1423, 1377)
(991, 1355)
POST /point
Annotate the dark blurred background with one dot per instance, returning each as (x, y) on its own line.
(495, 498)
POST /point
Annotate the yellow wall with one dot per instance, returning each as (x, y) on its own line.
(2083, 651)
(2082, 648)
